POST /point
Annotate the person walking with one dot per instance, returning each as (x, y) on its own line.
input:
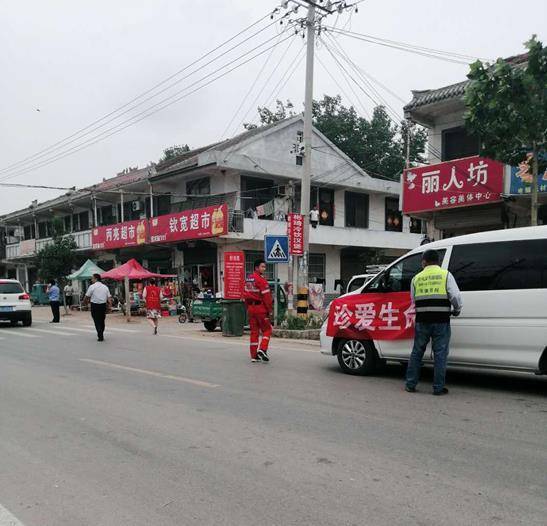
(100, 299)
(435, 294)
(68, 293)
(258, 300)
(152, 296)
(54, 294)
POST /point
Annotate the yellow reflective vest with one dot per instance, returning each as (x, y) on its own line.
(431, 295)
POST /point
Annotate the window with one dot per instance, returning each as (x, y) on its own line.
(356, 210)
(107, 215)
(324, 199)
(251, 257)
(457, 143)
(317, 268)
(256, 192)
(66, 224)
(399, 277)
(43, 230)
(415, 226)
(508, 265)
(198, 187)
(83, 221)
(10, 288)
(29, 232)
(356, 284)
(299, 160)
(394, 218)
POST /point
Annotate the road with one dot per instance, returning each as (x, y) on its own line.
(181, 429)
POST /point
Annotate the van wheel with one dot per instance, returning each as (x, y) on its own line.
(357, 357)
(14, 323)
(210, 325)
(27, 322)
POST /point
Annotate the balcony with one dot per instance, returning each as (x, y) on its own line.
(29, 247)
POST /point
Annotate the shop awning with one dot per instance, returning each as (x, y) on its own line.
(86, 271)
(132, 270)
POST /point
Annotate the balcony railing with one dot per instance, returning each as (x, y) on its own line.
(235, 221)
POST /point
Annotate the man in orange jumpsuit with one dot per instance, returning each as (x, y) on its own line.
(258, 300)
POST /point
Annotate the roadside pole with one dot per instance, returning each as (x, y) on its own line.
(276, 307)
(127, 300)
(290, 291)
(302, 308)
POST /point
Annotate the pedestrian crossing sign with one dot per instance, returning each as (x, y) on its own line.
(276, 249)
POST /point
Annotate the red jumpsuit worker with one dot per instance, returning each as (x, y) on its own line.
(258, 300)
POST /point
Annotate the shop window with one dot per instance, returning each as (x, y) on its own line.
(199, 186)
(457, 144)
(317, 268)
(394, 218)
(251, 257)
(510, 265)
(356, 209)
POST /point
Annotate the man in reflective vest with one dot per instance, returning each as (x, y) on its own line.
(258, 300)
(435, 295)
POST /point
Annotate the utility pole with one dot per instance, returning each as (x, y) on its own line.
(302, 308)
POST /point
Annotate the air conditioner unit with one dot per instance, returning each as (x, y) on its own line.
(136, 206)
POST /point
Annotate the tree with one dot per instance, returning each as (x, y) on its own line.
(283, 110)
(507, 109)
(376, 145)
(57, 259)
(174, 151)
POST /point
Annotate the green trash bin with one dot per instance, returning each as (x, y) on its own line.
(233, 317)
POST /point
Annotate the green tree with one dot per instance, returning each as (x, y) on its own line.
(174, 151)
(507, 108)
(376, 145)
(57, 259)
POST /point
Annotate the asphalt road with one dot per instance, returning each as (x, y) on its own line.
(181, 429)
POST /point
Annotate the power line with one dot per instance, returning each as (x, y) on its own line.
(60, 143)
(146, 113)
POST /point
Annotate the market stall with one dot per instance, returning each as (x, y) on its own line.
(84, 273)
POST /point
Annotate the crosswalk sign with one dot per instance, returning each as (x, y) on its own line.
(276, 249)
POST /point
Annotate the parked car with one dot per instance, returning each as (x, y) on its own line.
(503, 325)
(14, 303)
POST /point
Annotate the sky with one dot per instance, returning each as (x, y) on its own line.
(65, 64)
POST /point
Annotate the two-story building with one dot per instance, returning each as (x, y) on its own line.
(257, 176)
(460, 192)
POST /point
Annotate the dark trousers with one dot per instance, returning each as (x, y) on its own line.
(55, 310)
(98, 313)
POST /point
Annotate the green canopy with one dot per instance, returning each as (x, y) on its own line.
(86, 271)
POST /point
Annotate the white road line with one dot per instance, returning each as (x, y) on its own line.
(109, 328)
(199, 383)
(61, 333)
(7, 519)
(89, 331)
(16, 332)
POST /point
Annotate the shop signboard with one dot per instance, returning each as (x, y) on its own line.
(452, 184)
(234, 275)
(191, 224)
(120, 235)
(295, 231)
(521, 178)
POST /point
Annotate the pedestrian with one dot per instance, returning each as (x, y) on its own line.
(100, 299)
(314, 216)
(435, 294)
(152, 295)
(258, 300)
(54, 294)
(68, 293)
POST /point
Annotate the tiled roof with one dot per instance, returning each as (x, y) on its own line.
(453, 91)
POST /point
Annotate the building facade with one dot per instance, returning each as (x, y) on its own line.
(256, 178)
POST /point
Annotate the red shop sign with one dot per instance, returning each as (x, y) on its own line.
(462, 182)
(120, 235)
(295, 231)
(190, 224)
(234, 275)
(373, 316)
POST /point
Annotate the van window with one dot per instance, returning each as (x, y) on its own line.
(507, 265)
(355, 284)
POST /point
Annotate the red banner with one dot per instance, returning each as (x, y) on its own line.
(234, 275)
(295, 231)
(120, 235)
(462, 182)
(389, 316)
(190, 224)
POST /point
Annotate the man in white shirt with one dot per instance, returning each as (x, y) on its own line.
(314, 217)
(99, 296)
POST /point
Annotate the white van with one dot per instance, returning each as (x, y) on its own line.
(503, 325)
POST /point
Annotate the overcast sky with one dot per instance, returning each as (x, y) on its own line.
(77, 61)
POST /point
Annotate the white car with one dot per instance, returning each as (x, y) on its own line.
(503, 324)
(14, 303)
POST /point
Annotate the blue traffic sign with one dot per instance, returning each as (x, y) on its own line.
(276, 249)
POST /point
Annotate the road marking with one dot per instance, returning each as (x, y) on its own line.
(199, 383)
(62, 333)
(108, 328)
(7, 519)
(89, 331)
(241, 343)
(16, 332)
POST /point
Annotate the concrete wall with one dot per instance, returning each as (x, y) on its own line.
(443, 122)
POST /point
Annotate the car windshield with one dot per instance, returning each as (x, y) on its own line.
(10, 288)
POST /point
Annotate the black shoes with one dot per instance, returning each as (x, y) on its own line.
(263, 356)
(410, 389)
(442, 392)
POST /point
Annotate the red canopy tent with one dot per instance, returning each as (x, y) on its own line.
(128, 271)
